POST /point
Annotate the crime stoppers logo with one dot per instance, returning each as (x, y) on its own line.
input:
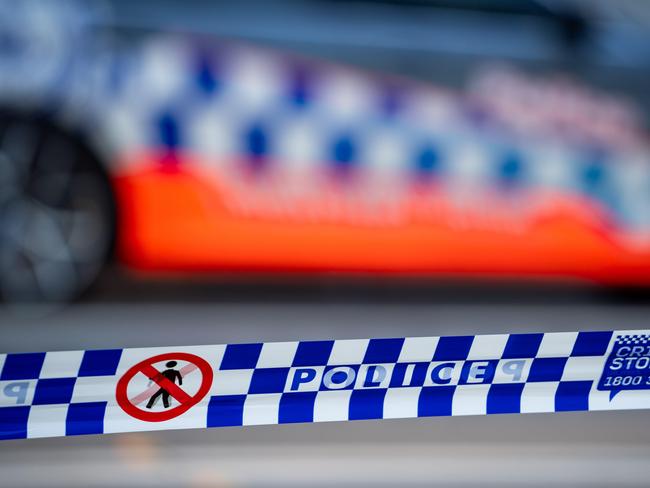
(628, 365)
(163, 387)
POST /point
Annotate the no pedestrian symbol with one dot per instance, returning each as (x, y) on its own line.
(167, 382)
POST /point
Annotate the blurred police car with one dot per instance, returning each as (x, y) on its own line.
(187, 153)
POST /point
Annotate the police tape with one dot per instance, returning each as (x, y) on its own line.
(124, 390)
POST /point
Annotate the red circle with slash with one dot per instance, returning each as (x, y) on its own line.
(185, 401)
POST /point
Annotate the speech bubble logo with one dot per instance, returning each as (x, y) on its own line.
(628, 365)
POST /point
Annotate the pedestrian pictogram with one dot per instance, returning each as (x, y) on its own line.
(165, 382)
(171, 375)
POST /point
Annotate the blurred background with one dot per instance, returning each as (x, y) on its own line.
(178, 173)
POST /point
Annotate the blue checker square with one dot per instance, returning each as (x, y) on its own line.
(546, 369)
(297, 407)
(226, 411)
(313, 353)
(25, 366)
(52, 391)
(257, 140)
(383, 351)
(85, 418)
(591, 343)
(428, 162)
(169, 129)
(504, 398)
(268, 380)
(572, 395)
(241, 356)
(100, 363)
(455, 348)
(300, 90)
(205, 74)
(435, 401)
(367, 404)
(511, 168)
(344, 150)
(522, 346)
(13, 422)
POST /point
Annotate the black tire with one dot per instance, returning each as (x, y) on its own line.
(57, 214)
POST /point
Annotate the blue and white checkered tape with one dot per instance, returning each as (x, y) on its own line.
(123, 390)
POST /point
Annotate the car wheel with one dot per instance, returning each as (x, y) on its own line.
(56, 213)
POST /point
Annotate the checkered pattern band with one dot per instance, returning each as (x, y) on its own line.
(231, 103)
(633, 339)
(217, 102)
(122, 390)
